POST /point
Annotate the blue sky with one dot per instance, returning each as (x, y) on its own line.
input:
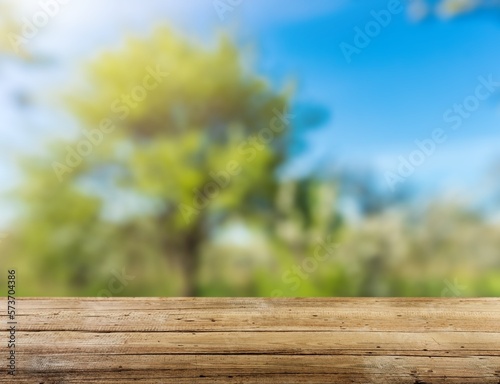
(392, 93)
(397, 89)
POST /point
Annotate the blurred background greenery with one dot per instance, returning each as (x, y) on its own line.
(176, 185)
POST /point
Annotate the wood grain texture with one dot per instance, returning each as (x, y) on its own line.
(251, 340)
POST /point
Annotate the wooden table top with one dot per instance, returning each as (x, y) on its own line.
(253, 340)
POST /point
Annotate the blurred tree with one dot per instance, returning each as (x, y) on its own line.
(189, 137)
(181, 143)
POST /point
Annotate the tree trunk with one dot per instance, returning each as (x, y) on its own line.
(190, 260)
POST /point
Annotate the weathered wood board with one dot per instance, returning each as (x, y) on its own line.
(252, 340)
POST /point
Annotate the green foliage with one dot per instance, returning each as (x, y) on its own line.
(139, 215)
(198, 121)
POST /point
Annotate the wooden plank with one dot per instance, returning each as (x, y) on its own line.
(250, 340)
(190, 315)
